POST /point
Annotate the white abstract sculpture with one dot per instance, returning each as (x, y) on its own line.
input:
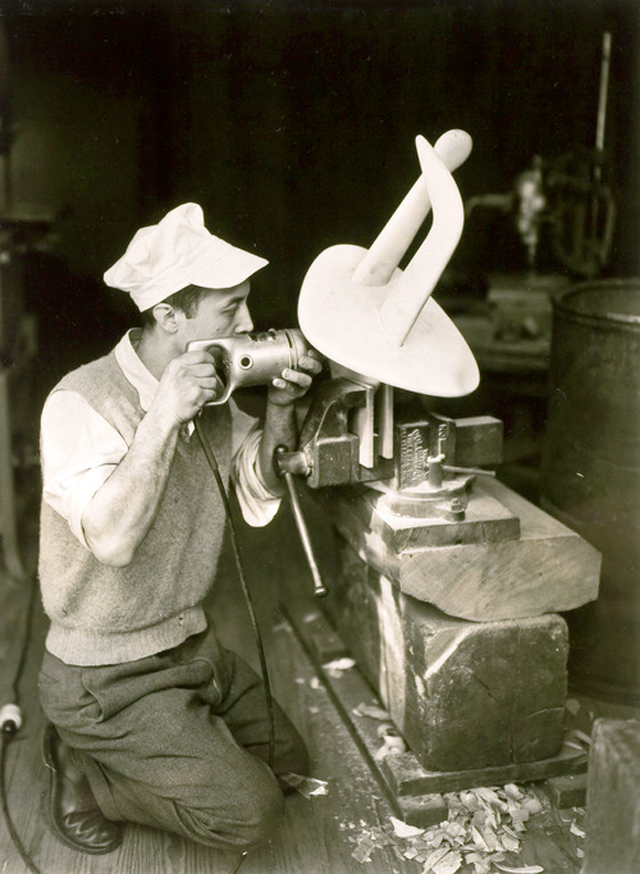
(363, 312)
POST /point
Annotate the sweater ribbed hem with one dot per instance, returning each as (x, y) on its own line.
(89, 647)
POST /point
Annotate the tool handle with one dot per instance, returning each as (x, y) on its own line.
(476, 471)
(319, 588)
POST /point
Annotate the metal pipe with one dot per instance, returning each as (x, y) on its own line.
(319, 589)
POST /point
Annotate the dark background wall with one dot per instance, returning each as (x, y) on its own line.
(293, 125)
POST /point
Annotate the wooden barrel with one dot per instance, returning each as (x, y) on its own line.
(590, 473)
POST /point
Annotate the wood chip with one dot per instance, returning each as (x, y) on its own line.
(483, 825)
(583, 737)
(403, 830)
(533, 806)
(373, 712)
(478, 840)
(527, 869)
(511, 845)
(307, 786)
(362, 853)
(488, 795)
(449, 864)
(576, 830)
(434, 857)
(337, 667)
(576, 734)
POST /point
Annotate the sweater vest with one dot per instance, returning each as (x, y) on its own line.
(107, 615)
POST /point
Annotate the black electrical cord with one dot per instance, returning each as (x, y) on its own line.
(9, 731)
(236, 867)
(10, 726)
(213, 464)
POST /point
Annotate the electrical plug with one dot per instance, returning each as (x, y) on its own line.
(10, 719)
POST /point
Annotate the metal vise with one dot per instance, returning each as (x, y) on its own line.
(431, 450)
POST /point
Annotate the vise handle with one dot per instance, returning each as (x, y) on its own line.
(319, 588)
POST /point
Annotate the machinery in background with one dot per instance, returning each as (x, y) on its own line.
(565, 206)
(569, 199)
(563, 211)
(571, 196)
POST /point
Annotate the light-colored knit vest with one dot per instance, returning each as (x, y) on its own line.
(105, 615)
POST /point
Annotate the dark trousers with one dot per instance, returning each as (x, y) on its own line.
(178, 740)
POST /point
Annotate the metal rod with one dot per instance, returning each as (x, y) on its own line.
(319, 589)
(604, 86)
(478, 471)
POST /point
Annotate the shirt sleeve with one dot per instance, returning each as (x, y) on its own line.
(79, 451)
(257, 503)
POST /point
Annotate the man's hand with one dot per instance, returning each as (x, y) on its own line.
(294, 384)
(188, 383)
(280, 419)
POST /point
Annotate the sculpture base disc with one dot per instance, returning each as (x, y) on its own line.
(342, 320)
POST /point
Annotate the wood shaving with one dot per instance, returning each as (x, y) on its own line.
(449, 864)
(575, 736)
(527, 869)
(404, 830)
(307, 786)
(483, 825)
(338, 666)
(576, 830)
(372, 711)
(362, 852)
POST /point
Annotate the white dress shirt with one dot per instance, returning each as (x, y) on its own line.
(80, 449)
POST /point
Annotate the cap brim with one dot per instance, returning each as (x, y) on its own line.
(231, 268)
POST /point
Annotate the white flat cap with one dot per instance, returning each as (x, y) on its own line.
(179, 251)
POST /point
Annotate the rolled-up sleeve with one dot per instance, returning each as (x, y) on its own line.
(79, 451)
(257, 503)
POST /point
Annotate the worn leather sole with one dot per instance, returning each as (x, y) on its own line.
(86, 830)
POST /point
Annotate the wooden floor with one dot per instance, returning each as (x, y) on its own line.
(319, 833)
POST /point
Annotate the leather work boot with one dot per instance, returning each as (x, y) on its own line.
(73, 812)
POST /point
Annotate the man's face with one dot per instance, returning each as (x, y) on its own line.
(220, 313)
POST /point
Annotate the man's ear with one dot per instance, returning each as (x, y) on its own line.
(165, 316)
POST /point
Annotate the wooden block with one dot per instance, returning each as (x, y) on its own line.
(415, 794)
(613, 798)
(406, 776)
(478, 571)
(568, 791)
(464, 695)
